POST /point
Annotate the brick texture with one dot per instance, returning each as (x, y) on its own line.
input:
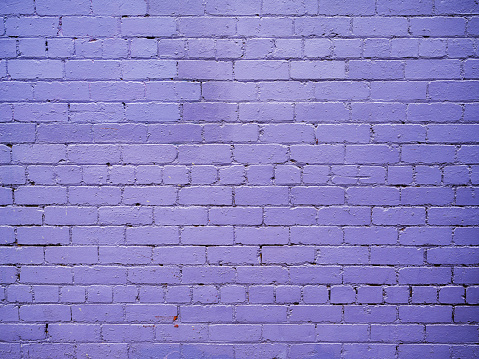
(239, 179)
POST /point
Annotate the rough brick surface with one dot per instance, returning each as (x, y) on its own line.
(239, 179)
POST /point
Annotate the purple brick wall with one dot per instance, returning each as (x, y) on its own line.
(239, 179)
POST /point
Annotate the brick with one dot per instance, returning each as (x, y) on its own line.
(90, 26)
(40, 195)
(429, 235)
(317, 69)
(206, 26)
(304, 350)
(398, 255)
(151, 349)
(170, 90)
(369, 275)
(179, 133)
(31, 26)
(235, 215)
(97, 154)
(94, 195)
(9, 48)
(251, 196)
(322, 26)
(97, 235)
(287, 254)
(382, 26)
(125, 255)
(148, 69)
(316, 235)
(204, 154)
(424, 275)
(347, 48)
(369, 351)
(151, 275)
(321, 112)
(433, 69)
(100, 275)
(454, 91)
(261, 70)
(401, 216)
(317, 195)
(437, 112)
(43, 235)
(91, 69)
(426, 195)
(103, 7)
(288, 91)
(154, 154)
(347, 255)
(315, 275)
(126, 332)
(433, 48)
(74, 332)
(290, 216)
(378, 112)
(70, 215)
(99, 350)
(35, 69)
(465, 236)
(96, 112)
(17, 132)
(262, 27)
(205, 294)
(27, 255)
(64, 133)
(8, 275)
(46, 275)
(226, 91)
(376, 70)
(260, 314)
(266, 112)
(364, 7)
(178, 216)
(287, 48)
(153, 26)
(317, 154)
(316, 48)
(14, 7)
(209, 111)
(342, 332)
(398, 7)
(398, 91)
(125, 215)
(44, 7)
(207, 70)
(368, 314)
(231, 133)
(55, 112)
(437, 26)
(452, 216)
(149, 195)
(18, 332)
(427, 314)
(120, 91)
(208, 314)
(330, 90)
(7, 235)
(20, 216)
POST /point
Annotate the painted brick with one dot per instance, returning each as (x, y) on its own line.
(239, 179)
